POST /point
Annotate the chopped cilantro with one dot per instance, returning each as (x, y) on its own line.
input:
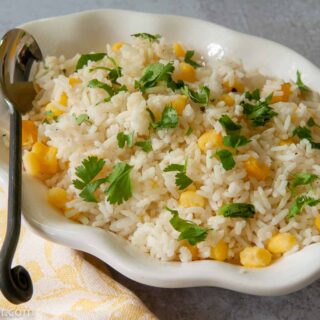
(169, 118)
(95, 83)
(188, 59)
(237, 210)
(300, 83)
(229, 125)
(305, 133)
(125, 139)
(189, 230)
(235, 141)
(182, 180)
(147, 36)
(145, 145)
(226, 159)
(312, 123)
(189, 131)
(201, 97)
(254, 95)
(82, 118)
(85, 58)
(299, 203)
(302, 178)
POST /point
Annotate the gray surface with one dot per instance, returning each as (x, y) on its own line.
(294, 23)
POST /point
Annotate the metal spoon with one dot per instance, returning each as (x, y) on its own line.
(18, 52)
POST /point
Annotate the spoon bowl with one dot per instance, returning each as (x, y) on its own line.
(18, 53)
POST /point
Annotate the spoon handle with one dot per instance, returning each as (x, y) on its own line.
(15, 283)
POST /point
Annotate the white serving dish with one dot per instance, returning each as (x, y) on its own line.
(90, 31)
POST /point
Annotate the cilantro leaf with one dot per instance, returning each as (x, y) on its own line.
(226, 159)
(95, 83)
(189, 230)
(235, 141)
(305, 133)
(86, 172)
(312, 123)
(299, 203)
(153, 74)
(228, 124)
(302, 178)
(81, 118)
(125, 139)
(169, 118)
(147, 36)
(145, 145)
(188, 59)
(300, 83)
(254, 95)
(259, 113)
(85, 58)
(201, 97)
(120, 187)
(237, 210)
(189, 131)
(114, 73)
(182, 180)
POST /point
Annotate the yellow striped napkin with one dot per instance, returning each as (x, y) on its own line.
(67, 284)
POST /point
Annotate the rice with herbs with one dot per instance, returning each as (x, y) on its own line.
(131, 122)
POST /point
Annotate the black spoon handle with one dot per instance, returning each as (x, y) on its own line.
(15, 284)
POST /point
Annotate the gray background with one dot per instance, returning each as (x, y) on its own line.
(294, 23)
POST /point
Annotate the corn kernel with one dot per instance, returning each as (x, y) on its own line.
(29, 133)
(228, 100)
(32, 164)
(53, 111)
(256, 169)
(220, 251)
(255, 257)
(287, 141)
(193, 249)
(282, 242)
(179, 50)
(63, 100)
(186, 73)
(74, 81)
(116, 46)
(238, 86)
(180, 103)
(285, 94)
(57, 197)
(213, 137)
(317, 222)
(190, 199)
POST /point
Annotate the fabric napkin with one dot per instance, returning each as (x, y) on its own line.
(67, 284)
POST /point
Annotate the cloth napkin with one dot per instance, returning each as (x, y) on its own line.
(67, 284)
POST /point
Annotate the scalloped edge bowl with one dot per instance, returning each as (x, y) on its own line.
(90, 31)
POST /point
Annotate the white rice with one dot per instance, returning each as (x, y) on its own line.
(142, 219)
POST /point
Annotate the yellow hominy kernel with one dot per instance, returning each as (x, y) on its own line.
(317, 222)
(285, 94)
(255, 169)
(63, 100)
(287, 141)
(29, 133)
(179, 103)
(190, 199)
(237, 86)
(193, 249)
(186, 72)
(53, 111)
(213, 137)
(179, 50)
(116, 46)
(255, 257)
(74, 81)
(57, 197)
(228, 100)
(220, 251)
(32, 164)
(282, 242)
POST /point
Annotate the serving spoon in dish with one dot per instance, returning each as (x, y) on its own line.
(18, 52)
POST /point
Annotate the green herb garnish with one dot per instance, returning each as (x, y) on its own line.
(120, 186)
(302, 178)
(123, 139)
(169, 119)
(226, 159)
(85, 58)
(229, 125)
(86, 172)
(299, 203)
(95, 83)
(201, 97)
(146, 145)
(189, 131)
(153, 74)
(300, 83)
(235, 141)
(182, 180)
(259, 113)
(312, 123)
(82, 118)
(188, 59)
(147, 36)
(189, 230)
(254, 95)
(237, 210)
(305, 133)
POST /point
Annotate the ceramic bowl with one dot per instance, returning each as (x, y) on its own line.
(90, 31)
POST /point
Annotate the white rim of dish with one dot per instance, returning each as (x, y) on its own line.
(292, 272)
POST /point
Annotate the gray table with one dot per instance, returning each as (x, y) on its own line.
(294, 23)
